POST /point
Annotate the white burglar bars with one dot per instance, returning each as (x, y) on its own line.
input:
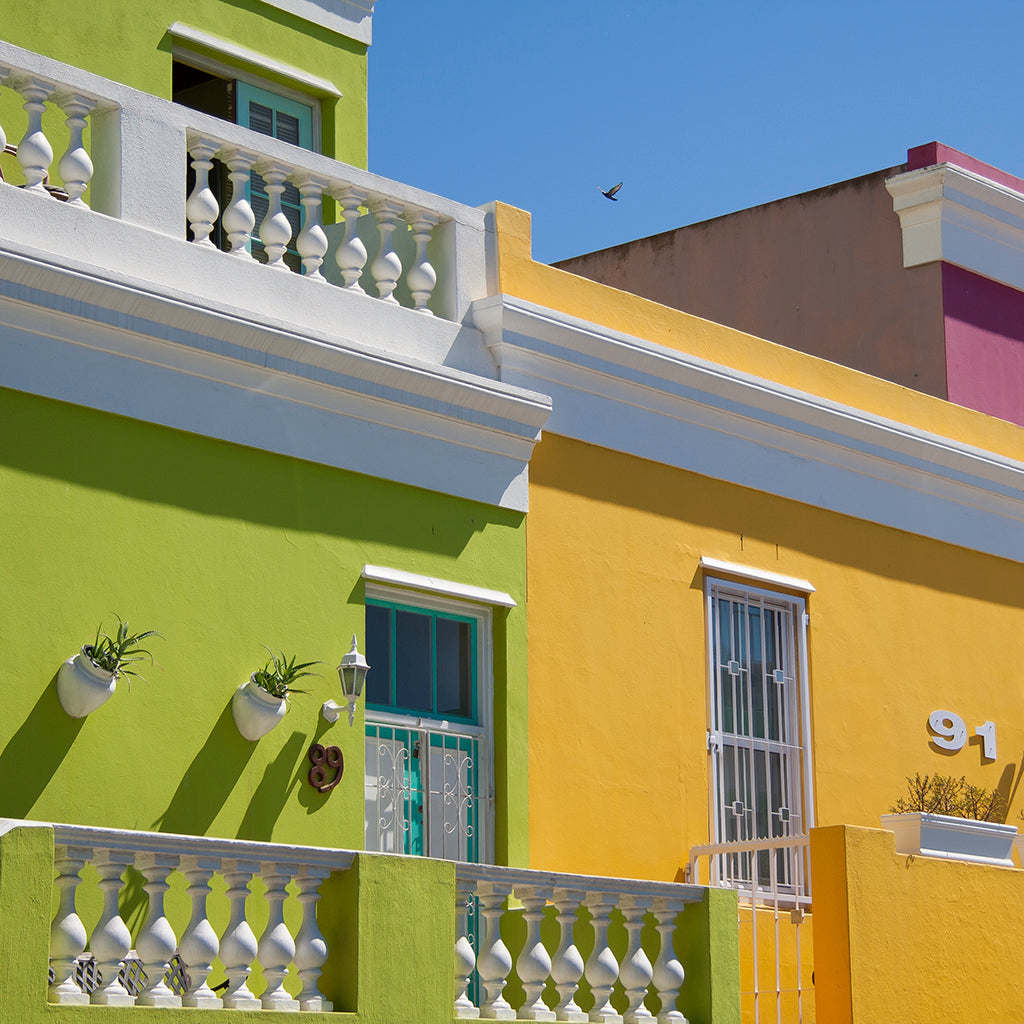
(756, 739)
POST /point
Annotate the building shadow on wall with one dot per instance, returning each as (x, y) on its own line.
(35, 753)
(208, 780)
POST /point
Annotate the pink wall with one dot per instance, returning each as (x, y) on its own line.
(984, 323)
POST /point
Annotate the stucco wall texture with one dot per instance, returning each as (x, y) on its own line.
(820, 272)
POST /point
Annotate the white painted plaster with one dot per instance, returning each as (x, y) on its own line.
(352, 18)
(630, 395)
(302, 80)
(952, 214)
(433, 585)
(746, 572)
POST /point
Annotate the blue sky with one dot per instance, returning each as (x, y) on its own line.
(700, 108)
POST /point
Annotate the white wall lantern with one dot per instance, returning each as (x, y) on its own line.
(352, 673)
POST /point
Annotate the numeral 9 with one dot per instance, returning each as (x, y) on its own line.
(949, 728)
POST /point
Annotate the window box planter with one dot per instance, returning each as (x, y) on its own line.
(82, 687)
(256, 711)
(939, 835)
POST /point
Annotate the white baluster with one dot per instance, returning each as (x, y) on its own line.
(199, 946)
(567, 965)
(668, 971)
(111, 940)
(75, 168)
(386, 266)
(422, 278)
(238, 946)
(67, 935)
(351, 254)
(312, 242)
(35, 154)
(494, 961)
(465, 958)
(275, 231)
(635, 971)
(4, 72)
(157, 942)
(201, 208)
(238, 219)
(310, 945)
(534, 963)
(276, 947)
(602, 969)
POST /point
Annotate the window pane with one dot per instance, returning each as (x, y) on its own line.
(454, 668)
(413, 661)
(378, 654)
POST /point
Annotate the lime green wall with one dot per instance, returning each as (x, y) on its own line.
(221, 548)
(101, 37)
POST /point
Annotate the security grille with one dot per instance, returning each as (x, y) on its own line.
(756, 744)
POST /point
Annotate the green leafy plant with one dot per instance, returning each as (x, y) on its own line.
(277, 676)
(944, 794)
(117, 654)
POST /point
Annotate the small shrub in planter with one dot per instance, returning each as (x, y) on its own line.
(261, 702)
(943, 816)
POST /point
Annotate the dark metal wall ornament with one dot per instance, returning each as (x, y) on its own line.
(322, 758)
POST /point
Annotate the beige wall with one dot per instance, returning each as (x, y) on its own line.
(820, 272)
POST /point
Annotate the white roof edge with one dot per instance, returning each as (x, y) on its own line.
(311, 83)
(447, 588)
(776, 579)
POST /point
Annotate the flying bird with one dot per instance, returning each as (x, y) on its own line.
(610, 194)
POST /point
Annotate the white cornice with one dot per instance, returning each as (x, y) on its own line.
(120, 347)
(630, 395)
(299, 78)
(352, 18)
(952, 214)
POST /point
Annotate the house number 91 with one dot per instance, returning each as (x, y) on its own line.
(951, 733)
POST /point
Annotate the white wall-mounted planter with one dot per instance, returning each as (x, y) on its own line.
(939, 835)
(255, 711)
(82, 687)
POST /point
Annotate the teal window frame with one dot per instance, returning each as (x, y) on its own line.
(433, 615)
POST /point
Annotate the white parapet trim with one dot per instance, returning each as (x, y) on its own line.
(631, 395)
(352, 18)
(952, 214)
(337, 397)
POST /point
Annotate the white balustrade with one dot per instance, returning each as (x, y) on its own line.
(620, 990)
(290, 962)
(134, 177)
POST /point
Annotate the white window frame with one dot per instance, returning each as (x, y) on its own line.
(748, 587)
(434, 601)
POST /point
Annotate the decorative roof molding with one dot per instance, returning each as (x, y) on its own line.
(352, 18)
(633, 396)
(124, 347)
(296, 76)
(952, 214)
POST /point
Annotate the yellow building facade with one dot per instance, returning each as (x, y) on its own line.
(712, 515)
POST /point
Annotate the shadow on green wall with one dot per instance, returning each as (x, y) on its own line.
(208, 780)
(280, 778)
(35, 752)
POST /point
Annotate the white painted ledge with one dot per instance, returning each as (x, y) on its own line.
(952, 214)
(352, 18)
(630, 395)
(433, 585)
(302, 80)
(762, 576)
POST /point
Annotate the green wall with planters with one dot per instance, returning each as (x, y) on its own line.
(221, 548)
(130, 44)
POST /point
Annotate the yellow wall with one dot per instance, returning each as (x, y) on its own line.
(913, 939)
(899, 625)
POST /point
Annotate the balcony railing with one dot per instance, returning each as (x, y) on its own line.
(650, 989)
(124, 153)
(147, 976)
(221, 923)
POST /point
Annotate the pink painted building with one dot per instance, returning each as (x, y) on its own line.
(914, 274)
